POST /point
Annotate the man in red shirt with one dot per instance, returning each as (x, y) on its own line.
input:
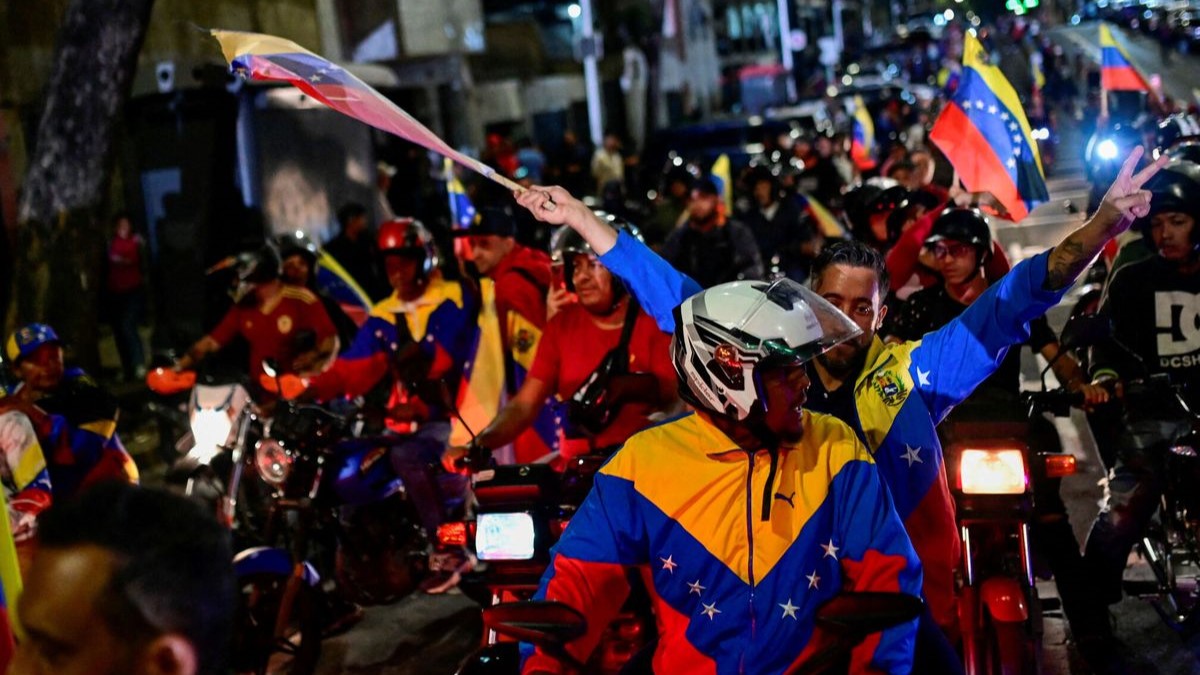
(522, 277)
(279, 321)
(580, 360)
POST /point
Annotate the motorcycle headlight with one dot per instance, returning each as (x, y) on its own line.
(992, 472)
(273, 462)
(1107, 149)
(210, 430)
(504, 536)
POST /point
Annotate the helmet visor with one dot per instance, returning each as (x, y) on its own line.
(809, 326)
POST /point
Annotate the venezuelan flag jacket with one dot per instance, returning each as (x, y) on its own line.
(901, 395)
(736, 566)
(441, 324)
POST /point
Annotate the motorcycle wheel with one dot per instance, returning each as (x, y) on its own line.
(255, 648)
(1009, 649)
(382, 553)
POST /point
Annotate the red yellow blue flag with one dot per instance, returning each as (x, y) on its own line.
(482, 388)
(337, 282)
(862, 143)
(462, 211)
(984, 133)
(1117, 72)
(722, 174)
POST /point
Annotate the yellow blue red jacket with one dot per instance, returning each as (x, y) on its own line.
(899, 428)
(734, 592)
(441, 323)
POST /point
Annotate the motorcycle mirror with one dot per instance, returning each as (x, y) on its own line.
(1085, 330)
(863, 613)
(543, 623)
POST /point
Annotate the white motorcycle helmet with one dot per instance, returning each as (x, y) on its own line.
(725, 334)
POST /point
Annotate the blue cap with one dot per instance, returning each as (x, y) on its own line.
(27, 339)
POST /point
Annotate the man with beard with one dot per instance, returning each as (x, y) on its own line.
(894, 396)
(709, 247)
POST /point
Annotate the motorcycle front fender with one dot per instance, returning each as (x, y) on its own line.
(1004, 599)
(274, 561)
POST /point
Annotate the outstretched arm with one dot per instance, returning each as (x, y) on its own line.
(1124, 202)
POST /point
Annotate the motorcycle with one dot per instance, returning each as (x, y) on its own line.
(336, 510)
(521, 512)
(997, 471)
(846, 620)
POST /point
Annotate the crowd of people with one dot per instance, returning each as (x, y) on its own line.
(792, 370)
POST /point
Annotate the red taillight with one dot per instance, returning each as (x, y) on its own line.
(452, 534)
(558, 526)
(1058, 466)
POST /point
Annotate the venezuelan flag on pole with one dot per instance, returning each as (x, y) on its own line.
(984, 133)
(1116, 70)
(337, 282)
(479, 395)
(862, 145)
(462, 211)
(722, 175)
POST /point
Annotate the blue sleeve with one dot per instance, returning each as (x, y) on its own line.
(950, 362)
(876, 556)
(659, 287)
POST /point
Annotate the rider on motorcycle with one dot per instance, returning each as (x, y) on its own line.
(77, 429)
(521, 277)
(419, 339)
(279, 321)
(1152, 304)
(602, 358)
(746, 516)
(872, 386)
(299, 256)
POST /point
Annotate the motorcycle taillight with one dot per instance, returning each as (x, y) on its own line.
(452, 534)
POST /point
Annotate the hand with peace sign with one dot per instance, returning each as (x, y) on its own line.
(1126, 195)
(1125, 202)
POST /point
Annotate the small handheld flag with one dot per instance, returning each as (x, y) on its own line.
(722, 175)
(1117, 72)
(984, 133)
(862, 146)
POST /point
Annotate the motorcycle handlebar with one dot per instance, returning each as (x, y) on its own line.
(1057, 401)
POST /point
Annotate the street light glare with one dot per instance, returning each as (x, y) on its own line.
(574, 10)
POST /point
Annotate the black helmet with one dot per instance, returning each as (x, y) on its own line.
(1188, 151)
(888, 200)
(854, 203)
(968, 226)
(298, 243)
(566, 243)
(1175, 189)
(259, 265)
(1174, 129)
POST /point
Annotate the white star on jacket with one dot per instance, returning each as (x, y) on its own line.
(830, 550)
(814, 581)
(695, 587)
(669, 563)
(923, 377)
(912, 455)
(710, 611)
(789, 610)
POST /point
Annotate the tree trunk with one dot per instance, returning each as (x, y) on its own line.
(61, 229)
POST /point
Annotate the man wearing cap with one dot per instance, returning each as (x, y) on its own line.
(709, 247)
(521, 278)
(75, 418)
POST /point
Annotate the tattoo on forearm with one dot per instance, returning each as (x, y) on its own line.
(1066, 263)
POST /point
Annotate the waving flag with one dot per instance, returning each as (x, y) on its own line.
(826, 223)
(984, 133)
(1116, 70)
(265, 57)
(722, 175)
(337, 282)
(482, 388)
(862, 146)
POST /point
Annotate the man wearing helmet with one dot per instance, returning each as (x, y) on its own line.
(1152, 304)
(895, 396)
(602, 360)
(520, 277)
(299, 256)
(279, 321)
(418, 340)
(747, 515)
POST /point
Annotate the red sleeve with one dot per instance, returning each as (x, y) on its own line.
(228, 328)
(515, 293)
(549, 354)
(902, 258)
(657, 357)
(997, 265)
